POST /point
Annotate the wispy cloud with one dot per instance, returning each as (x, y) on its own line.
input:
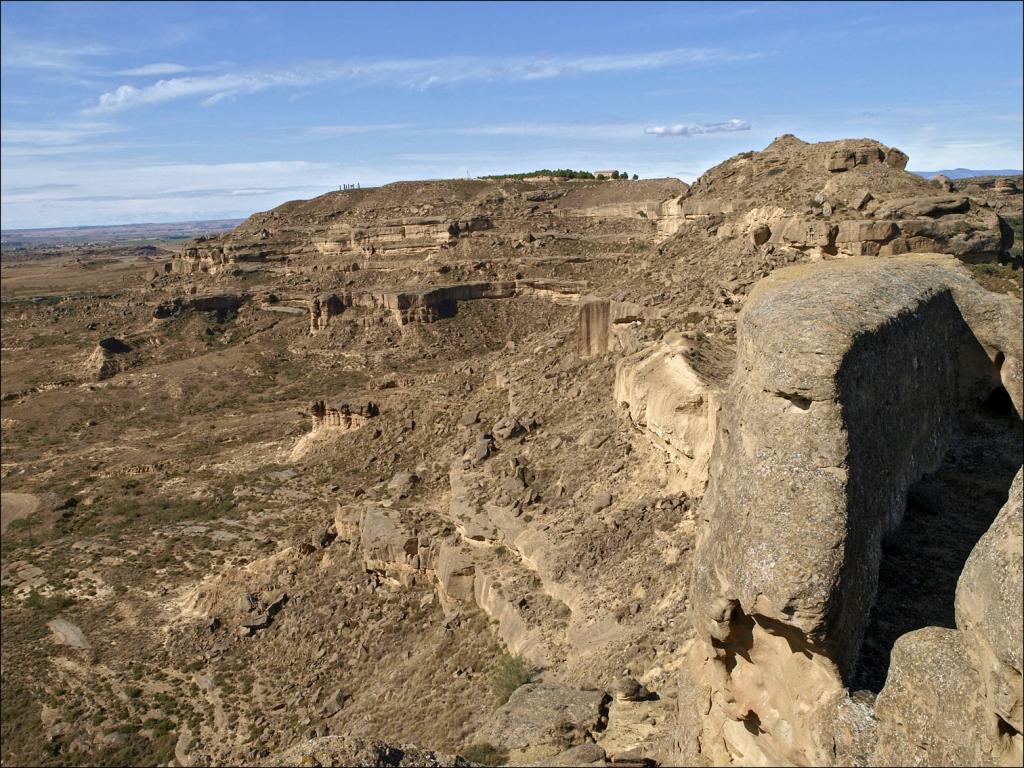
(533, 129)
(43, 192)
(327, 131)
(416, 73)
(154, 70)
(54, 135)
(694, 129)
(553, 130)
(42, 55)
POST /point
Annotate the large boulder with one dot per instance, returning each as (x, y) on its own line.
(541, 720)
(988, 612)
(849, 380)
(928, 711)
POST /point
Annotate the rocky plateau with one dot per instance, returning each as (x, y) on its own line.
(528, 472)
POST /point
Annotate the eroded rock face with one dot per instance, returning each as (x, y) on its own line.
(341, 415)
(321, 309)
(225, 302)
(393, 551)
(848, 383)
(988, 613)
(675, 399)
(845, 198)
(107, 359)
(605, 325)
(928, 711)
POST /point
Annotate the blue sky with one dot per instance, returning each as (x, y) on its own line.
(118, 113)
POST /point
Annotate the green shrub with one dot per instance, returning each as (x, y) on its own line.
(484, 753)
(51, 605)
(511, 672)
(564, 173)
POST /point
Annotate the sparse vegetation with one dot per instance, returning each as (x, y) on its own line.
(484, 753)
(560, 173)
(511, 672)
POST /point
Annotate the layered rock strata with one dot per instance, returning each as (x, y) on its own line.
(341, 415)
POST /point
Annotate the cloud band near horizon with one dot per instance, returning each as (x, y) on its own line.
(695, 129)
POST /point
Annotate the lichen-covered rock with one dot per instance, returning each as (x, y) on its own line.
(541, 720)
(928, 711)
(988, 613)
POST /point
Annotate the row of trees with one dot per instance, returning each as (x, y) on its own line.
(564, 173)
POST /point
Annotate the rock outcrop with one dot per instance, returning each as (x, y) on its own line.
(673, 392)
(341, 416)
(321, 309)
(393, 552)
(988, 612)
(542, 720)
(224, 302)
(107, 359)
(608, 325)
(846, 198)
(849, 380)
(349, 751)
(953, 696)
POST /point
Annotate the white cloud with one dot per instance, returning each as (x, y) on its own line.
(151, 70)
(553, 130)
(355, 129)
(694, 129)
(51, 193)
(535, 129)
(66, 135)
(42, 55)
(417, 73)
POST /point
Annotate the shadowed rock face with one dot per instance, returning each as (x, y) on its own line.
(850, 381)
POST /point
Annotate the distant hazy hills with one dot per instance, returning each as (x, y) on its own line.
(116, 233)
(965, 173)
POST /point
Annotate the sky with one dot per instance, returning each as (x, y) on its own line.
(151, 112)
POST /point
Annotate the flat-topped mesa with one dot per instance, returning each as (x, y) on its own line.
(341, 415)
(851, 379)
(454, 219)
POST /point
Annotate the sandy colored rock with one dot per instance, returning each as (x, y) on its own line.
(928, 711)
(542, 720)
(988, 609)
(795, 513)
